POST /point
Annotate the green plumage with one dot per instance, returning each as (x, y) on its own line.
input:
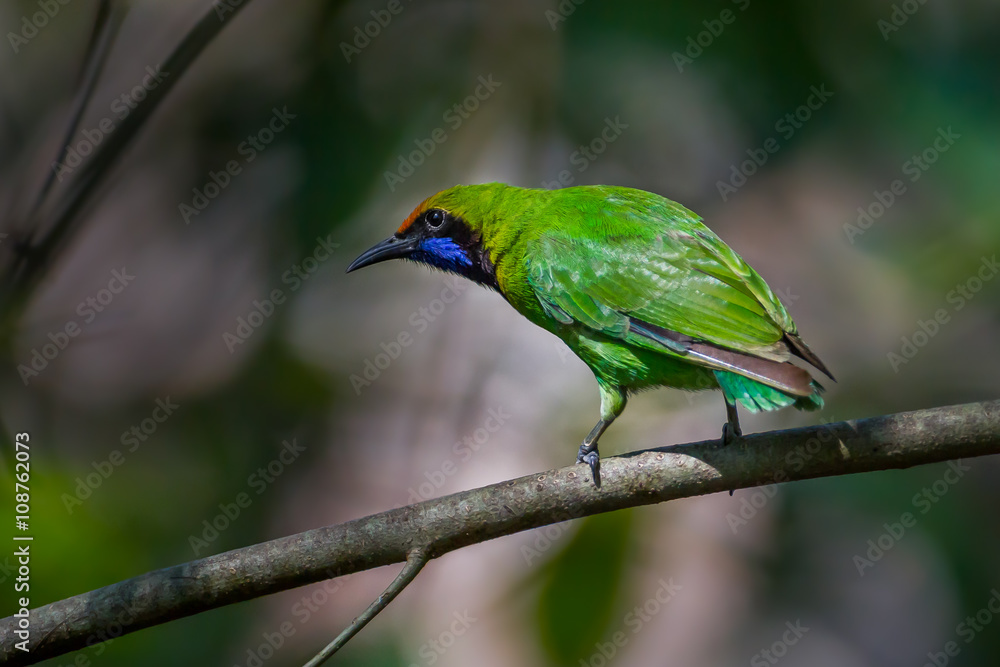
(643, 292)
(582, 262)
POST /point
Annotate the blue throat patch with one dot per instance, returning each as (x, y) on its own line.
(443, 253)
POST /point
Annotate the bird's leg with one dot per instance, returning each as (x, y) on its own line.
(588, 450)
(613, 401)
(731, 429)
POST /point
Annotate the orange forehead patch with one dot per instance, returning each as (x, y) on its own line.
(410, 219)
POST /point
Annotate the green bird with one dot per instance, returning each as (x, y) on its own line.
(634, 284)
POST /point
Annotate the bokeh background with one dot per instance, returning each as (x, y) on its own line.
(693, 91)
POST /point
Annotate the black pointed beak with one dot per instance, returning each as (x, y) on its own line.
(391, 248)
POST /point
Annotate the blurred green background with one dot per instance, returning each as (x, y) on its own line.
(317, 417)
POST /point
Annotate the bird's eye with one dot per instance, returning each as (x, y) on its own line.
(435, 218)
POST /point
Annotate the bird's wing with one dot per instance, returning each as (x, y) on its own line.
(677, 289)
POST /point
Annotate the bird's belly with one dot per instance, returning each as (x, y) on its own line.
(636, 368)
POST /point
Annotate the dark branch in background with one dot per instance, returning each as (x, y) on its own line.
(79, 192)
(107, 21)
(438, 526)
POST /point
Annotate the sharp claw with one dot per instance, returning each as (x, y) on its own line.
(593, 459)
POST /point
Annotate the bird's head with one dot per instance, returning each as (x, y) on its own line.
(445, 232)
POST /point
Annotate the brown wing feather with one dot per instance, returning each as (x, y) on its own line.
(778, 374)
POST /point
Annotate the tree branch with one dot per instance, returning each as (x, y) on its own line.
(28, 270)
(107, 22)
(414, 563)
(445, 524)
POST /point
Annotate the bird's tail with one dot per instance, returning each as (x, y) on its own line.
(758, 397)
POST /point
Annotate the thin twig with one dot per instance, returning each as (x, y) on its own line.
(107, 22)
(415, 562)
(81, 189)
(444, 524)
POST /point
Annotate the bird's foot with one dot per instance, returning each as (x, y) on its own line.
(589, 455)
